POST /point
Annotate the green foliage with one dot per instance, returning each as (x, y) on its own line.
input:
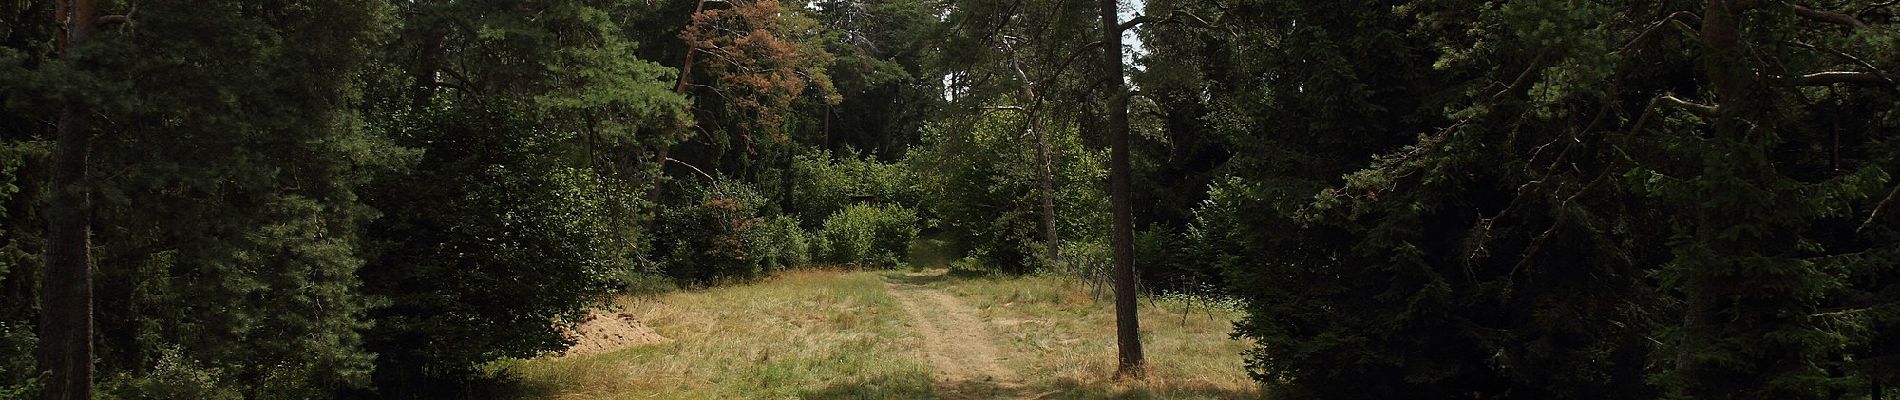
(1501, 207)
(522, 206)
(980, 183)
(877, 236)
(718, 236)
(19, 372)
(824, 183)
(783, 243)
(175, 376)
(225, 207)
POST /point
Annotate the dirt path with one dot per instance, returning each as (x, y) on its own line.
(956, 342)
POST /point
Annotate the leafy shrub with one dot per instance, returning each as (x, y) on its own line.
(1170, 261)
(19, 375)
(718, 235)
(174, 377)
(825, 183)
(981, 182)
(869, 235)
(783, 243)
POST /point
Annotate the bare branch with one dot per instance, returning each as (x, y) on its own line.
(1877, 208)
(1699, 109)
(1676, 17)
(1833, 77)
(1841, 54)
(1143, 19)
(695, 169)
(1829, 17)
(110, 20)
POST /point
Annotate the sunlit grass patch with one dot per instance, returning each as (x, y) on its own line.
(1066, 339)
(802, 334)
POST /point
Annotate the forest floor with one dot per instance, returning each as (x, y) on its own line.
(823, 334)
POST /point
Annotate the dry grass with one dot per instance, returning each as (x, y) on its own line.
(802, 334)
(1067, 339)
(840, 335)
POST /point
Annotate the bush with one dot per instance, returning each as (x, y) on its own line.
(1170, 261)
(869, 235)
(825, 183)
(982, 184)
(783, 243)
(19, 374)
(175, 377)
(717, 236)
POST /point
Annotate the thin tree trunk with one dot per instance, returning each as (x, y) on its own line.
(1122, 235)
(1045, 177)
(66, 305)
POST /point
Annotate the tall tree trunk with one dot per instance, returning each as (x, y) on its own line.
(1721, 32)
(1045, 178)
(1122, 235)
(66, 305)
(1045, 175)
(686, 79)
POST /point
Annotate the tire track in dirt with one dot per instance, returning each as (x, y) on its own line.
(956, 343)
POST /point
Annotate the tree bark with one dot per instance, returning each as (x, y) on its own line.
(66, 304)
(1122, 235)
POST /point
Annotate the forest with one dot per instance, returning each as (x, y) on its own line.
(1392, 199)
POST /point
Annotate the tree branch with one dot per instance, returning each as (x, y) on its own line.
(1143, 19)
(1833, 77)
(701, 172)
(1829, 17)
(1699, 109)
(1677, 16)
(1066, 62)
(1877, 208)
(1841, 54)
(110, 20)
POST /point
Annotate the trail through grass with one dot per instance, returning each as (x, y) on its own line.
(895, 335)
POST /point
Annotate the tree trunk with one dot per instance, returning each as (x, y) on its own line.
(1122, 236)
(1045, 175)
(686, 76)
(66, 305)
(1045, 178)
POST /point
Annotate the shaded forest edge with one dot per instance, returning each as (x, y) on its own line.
(1420, 199)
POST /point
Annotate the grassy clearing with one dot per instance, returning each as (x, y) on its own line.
(802, 334)
(1065, 341)
(840, 335)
